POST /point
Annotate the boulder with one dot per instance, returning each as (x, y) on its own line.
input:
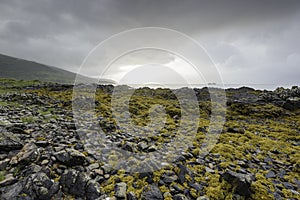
(151, 192)
(242, 182)
(9, 180)
(28, 154)
(68, 180)
(78, 184)
(70, 157)
(92, 190)
(8, 141)
(40, 186)
(120, 190)
(11, 191)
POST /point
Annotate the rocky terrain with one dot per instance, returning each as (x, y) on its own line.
(42, 156)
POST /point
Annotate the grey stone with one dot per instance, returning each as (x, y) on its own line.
(180, 197)
(4, 163)
(40, 186)
(288, 185)
(120, 190)
(9, 180)
(70, 157)
(151, 192)
(131, 196)
(183, 171)
(12, 191)
(196, 186)
(142, 145)
(295, 192)
(28, 154)
(168, 179)
(93, 166)
(8, 141)
(203, 198)
(271, 174)
(209, 170)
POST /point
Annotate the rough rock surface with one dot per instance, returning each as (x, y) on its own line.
(242, 182)
(42, 155)
(151, 192)
(8, 141)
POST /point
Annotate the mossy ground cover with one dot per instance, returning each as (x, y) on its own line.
(265, 134)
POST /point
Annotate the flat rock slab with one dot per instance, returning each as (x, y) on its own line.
(8, 141)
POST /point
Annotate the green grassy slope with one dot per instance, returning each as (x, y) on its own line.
(21, 69)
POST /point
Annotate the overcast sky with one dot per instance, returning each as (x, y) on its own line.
(250, 41)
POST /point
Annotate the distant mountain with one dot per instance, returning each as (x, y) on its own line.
(16, 68)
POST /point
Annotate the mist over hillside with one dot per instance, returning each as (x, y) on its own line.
(16, 68)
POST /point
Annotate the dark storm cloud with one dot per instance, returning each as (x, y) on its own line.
(243, 37)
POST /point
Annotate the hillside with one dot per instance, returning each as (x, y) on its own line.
(11, 67)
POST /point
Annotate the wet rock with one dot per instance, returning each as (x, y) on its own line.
(151, 192)
(120, 190)
(28, 154)
(241, 181)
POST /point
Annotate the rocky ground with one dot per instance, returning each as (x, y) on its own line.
(42, 156)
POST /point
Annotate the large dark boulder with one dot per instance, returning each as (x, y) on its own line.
(292, 103)
(8, 141)
(242, 182)
(40, 186)
(79, 184)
